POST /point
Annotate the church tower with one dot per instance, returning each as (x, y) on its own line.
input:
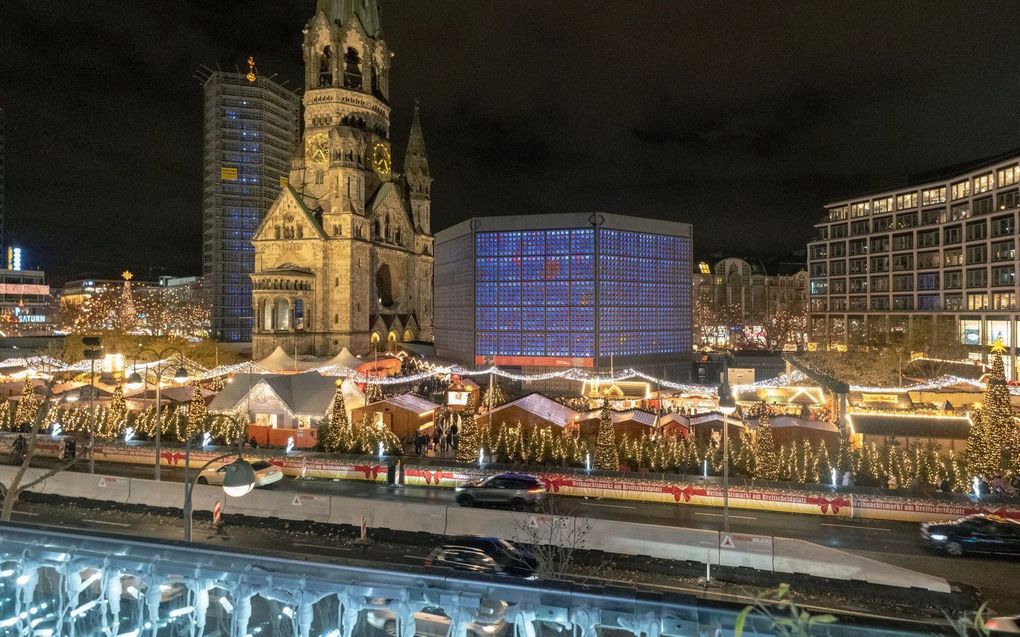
(348, 235)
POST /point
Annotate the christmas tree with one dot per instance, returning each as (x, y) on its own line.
(27, 404)
(607, 456)
(468, 438)
(116, 415)
(766, 461)
(337, 434)
(993, 427)
(373, 392)
(493, 395)
(196, 414)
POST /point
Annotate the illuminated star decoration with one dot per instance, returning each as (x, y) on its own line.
(126, 275)
(998, 347)
(251, 69)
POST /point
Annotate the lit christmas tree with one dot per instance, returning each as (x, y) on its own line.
(337, 434)
(116, 415)
(127, 317)
(493, 395)
(993, 428)
(468, 440)
(373, 392)
(766, 461)
(27, 404)
(197, 413)
(607, 455)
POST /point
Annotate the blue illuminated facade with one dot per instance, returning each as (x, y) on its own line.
(545, 294)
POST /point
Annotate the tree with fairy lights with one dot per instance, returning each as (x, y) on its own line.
(607, 455)
(766, 460)
(28, 404)
(493, 395)
(197, 413)
(373, 392)
(116, 415)
(468, 438)
(336, 434)
(993, 427)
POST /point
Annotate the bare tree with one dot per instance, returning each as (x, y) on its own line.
(555, 539)
(10, 492)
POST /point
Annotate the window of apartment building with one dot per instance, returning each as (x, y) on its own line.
(839, 231)
(820, 286)
(928, 302)
(837, 305)
(977, 254)
(952, 256)
(959, 212)
(837, 249)
(977, 278)
(1003, 275)
(906, 200)
(927, 260)
(983, 206)
(879, 264)
(977, 230)
(879, 244)
(837, 286)
(858, 266)
(858, 210)
(819, 305)
(1007, 200)
(819, 269)
(901, 283)
(1003, 225)
(1003, 251)
(977, 301)
(820, 251)
(858, 246)
(858, 285)
(903, 303)
(906, 220)
(932, 215)
(933, 196)
(928, 281)
(952, 234)
(1009, 176)
(951, 302)
(959, 190)
(837, 268)
(903, 241)
(1004, 300)
(879, 284)
(818, 327)
(837, 214)
(952, 280)
(903, 262)
(859, 227)
(880, 206)
(984, 183)
(881, 224)
(822, 233)
(928, 238)
(879, 303)
(858, 303)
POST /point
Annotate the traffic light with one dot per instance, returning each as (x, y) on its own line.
(93, 347)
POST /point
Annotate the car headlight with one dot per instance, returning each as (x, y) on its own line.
(531, 577)
(489, 628)
(458, 488)
(939, 537)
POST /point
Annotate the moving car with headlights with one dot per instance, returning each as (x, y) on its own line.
(432, 621)
(478, 555)
(265, 474)
(516, 490)
(980, 533)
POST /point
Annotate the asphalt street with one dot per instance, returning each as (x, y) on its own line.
(892, 542)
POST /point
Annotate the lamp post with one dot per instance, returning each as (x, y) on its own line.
(93, 350)
(727, 405)
(238, 479)
(135, 381)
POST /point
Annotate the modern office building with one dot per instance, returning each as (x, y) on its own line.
(941, 251)
(586, 290)
(24, 303)
(250, 133)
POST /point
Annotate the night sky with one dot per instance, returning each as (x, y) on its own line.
(742, 118)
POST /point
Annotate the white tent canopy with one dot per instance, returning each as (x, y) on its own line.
(281, 361)
(345, 358)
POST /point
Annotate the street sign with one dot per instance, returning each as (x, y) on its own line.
(727, 541)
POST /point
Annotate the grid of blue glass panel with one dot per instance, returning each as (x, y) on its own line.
(535, 293)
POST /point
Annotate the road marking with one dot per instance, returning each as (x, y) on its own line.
(417, 557)
(719, 515)
(613, 506)
(854, 526)
(29, 513)
(323, 546)
(120, 524)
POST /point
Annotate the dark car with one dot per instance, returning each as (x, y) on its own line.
(978, 533)
(514, 558)
(475, 560)
(517, 490)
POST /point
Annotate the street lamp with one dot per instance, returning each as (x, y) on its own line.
(135, 381)
(727, 405)
(238, 478)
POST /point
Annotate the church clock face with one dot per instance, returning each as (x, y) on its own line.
(381, 160)
(317, 150)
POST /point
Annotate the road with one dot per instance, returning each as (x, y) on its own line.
(892, 542)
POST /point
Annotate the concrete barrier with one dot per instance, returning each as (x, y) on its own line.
(798, 556)
(89, 486)
(287, 505)
(746, 550)
(7, 474)
(156, 494)
(671, 543)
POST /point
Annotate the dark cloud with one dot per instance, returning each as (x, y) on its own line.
(743, 118)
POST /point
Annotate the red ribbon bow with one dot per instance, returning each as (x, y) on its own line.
(686, 493)
(553, 483)
(371, 471)
(824, 503)
(172, 457)
(436, 476)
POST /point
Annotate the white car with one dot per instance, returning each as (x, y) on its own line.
(433, 621)
(265, 474)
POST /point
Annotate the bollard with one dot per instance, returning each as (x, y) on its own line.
(363, 539)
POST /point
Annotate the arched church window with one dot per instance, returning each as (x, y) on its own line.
(299, 314)
(325, 74)
(384, 286)
(352, 69)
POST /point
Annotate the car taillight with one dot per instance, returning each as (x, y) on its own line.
(991, 624)
(428, 561)
(536, 490)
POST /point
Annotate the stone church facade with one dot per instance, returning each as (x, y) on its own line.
(344, 256)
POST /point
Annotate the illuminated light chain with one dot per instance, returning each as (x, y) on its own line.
(236, 368)
(46, 362)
